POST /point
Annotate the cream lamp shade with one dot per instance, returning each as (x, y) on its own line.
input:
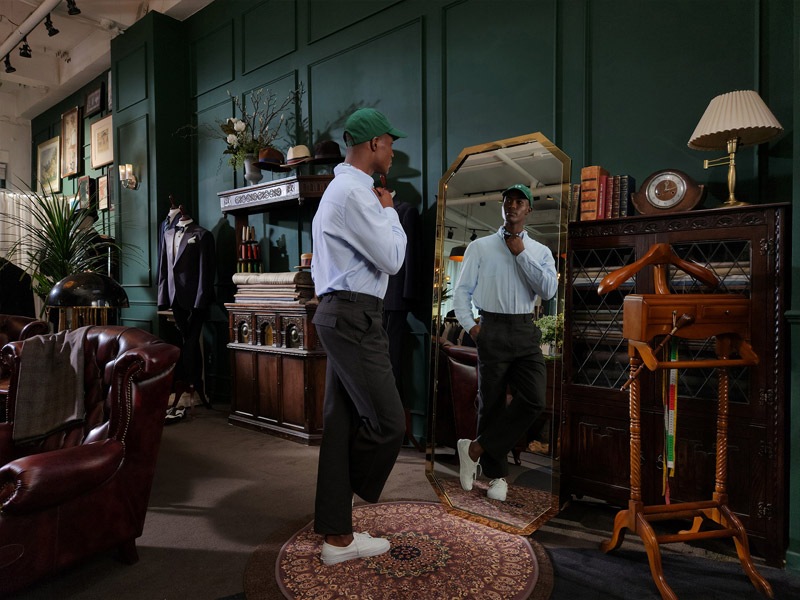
(740, 114)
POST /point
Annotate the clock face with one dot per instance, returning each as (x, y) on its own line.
(668, 190)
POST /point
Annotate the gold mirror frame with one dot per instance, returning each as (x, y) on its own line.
(470, 194)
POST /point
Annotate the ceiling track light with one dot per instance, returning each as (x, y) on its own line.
(25, 49)
(51, 30)
(72, 8)
(9, 68)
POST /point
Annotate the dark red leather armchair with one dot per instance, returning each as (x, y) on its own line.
(13, 328)
(85, 489)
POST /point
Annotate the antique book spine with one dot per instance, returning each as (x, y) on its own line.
(590, 180)
(627, 185)
(615, 199)
(602, 188)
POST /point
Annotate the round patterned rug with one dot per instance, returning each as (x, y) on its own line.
(434, 555)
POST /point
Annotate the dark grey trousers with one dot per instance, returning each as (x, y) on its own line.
(509, 356)
(363, 417)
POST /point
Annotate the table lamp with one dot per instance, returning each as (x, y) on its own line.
(731, 120)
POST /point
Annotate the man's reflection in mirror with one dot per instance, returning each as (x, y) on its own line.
(501, 277)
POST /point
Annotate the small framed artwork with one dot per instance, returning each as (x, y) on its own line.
(48, 166)
(94, 101)
(70, 142)
(86, 191)
(102, 142)
(102, 192)
(109, 98)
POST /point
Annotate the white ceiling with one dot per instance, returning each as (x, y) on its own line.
(62, 64)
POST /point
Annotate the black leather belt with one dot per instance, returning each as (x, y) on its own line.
(358, 297)
(509, 318)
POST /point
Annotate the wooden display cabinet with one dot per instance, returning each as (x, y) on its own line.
(277, 363)
(745, 248)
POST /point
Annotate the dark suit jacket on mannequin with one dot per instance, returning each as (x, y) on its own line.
(16, 292)
(186, 285)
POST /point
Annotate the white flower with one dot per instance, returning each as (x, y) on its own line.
(239, 126)
(232, 139)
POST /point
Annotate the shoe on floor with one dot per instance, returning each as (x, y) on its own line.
(363, 545)
(467, 468)
(498, 488)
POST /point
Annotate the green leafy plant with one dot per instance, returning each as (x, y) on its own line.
(55, 242)
(552, 328)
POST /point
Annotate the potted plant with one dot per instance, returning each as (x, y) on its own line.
(552, 328)
(56, 241)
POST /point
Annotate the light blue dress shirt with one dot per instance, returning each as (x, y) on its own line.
(494, 280)
(358, 244)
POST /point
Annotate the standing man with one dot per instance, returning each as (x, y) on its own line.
(358, 243)
(501, 276)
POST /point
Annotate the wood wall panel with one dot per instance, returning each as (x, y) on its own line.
(212, 59)
(133, 87)
(269, 32)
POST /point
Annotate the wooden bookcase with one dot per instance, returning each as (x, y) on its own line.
(745, 247)
(277, 363)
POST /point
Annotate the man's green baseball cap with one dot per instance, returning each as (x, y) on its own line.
(526, 191)
(367, 123)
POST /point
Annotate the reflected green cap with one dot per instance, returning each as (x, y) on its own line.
(367, 123)
(526, 191)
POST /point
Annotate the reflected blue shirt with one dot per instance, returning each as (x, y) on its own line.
(358, 244)
(494, 280)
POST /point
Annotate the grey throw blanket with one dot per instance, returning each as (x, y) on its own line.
(50, 385)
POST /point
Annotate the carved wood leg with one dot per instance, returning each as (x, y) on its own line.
(743, 550)
(721, 480)
(621, 523)
(697, 523)
(648, 536)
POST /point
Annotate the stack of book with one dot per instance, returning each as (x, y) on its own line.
(601, 195)
(264, 288)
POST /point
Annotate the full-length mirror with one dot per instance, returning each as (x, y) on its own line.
(470, 206)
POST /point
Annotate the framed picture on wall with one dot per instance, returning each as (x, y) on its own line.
(86, 191)
(102, 142)
(48, 166)
(102, 192)
(70, 142)
(109, 103)
(94, 101)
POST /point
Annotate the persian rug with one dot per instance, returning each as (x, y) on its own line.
(523, 510)
(434, 555)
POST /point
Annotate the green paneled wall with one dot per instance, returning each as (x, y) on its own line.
(616, 82)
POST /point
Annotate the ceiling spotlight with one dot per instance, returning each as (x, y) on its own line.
(9, 68)
(51, 30)
(73, 9)
(25, 49)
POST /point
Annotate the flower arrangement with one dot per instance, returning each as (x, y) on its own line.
(258, 126)
(552, 328)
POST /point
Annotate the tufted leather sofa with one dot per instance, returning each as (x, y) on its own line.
(85, 489)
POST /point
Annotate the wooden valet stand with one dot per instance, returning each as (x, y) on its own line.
(690, 316)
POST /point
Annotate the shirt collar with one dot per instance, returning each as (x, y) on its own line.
(502, 232)
(348, 169)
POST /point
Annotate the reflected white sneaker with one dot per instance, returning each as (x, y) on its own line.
(363, 545)
(467, 468)
(498, 488)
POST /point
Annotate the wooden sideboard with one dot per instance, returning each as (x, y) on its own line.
(277, 363)
(745, 248)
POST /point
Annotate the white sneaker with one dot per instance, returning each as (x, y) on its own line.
(498, 488)
(363, 545)
(467, 468)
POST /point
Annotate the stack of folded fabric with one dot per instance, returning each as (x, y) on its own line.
(257, 288)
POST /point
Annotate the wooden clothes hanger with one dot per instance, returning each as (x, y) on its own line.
(659, 255)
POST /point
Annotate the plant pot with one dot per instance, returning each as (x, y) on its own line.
(252, 173)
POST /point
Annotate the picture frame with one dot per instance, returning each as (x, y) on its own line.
(94, 101)
(102, 192)
(48, 166)
(102, 142)
(70, 142)
(87, 190)
(109, 95)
